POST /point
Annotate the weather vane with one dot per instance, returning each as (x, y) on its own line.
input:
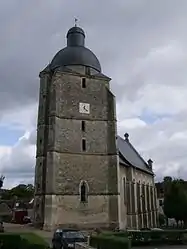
(76, 20)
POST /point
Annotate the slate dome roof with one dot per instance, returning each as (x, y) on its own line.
(75, 53)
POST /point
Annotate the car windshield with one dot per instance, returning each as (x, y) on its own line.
(73, 235)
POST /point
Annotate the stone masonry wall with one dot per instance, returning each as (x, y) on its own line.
(137, 209)
(67, 165)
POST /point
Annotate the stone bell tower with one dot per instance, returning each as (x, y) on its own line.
(76, 160)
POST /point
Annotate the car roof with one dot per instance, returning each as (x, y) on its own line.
(67, 230)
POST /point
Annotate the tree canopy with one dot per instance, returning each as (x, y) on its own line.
(2, 178)
(175, 199)
(21, 191)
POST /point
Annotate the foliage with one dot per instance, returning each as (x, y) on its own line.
(12, 241)
(21, 191)
(168, 179)
(159, 237)
(162, 219)
(175, 199)
(109, 242)
(2, 178)
(118, 234)
(142, 238)
(22, 241)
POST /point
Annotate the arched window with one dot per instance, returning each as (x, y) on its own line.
(83, 192)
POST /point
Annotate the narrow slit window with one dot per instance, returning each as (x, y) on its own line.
(83, 125)
(83, 82)
(84, 192)
(124, 189)
(83, 144)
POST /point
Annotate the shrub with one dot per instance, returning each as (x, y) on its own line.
(141, 238)
(158, 237)
(118, 234)
(23, 241)
(109, 242)
(12, 241)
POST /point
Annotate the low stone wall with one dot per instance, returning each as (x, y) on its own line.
(82, 246)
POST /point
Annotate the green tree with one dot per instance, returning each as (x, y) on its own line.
(2, 178)
(162, 219)
(168, 179)
(22, 191)
(175, 200)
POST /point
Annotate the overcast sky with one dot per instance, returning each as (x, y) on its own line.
(141, 45)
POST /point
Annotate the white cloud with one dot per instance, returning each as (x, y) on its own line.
(22, 118)
(18, 160)
(130, 124)
(143, 49)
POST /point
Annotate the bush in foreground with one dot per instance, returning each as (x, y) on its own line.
(117, 234)
(158, 237)
(109, 242)
(138, 238)
(12, 241)
(22, 241)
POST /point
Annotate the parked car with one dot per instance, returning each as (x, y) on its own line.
(26, 220)
(66, 238)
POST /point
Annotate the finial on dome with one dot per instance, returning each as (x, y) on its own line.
(126, 135)
(76, 20)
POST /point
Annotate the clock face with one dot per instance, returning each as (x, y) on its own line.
(84, 108)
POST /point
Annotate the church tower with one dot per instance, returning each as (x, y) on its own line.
(76, 160)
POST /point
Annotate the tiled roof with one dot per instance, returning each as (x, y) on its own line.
(129, 155)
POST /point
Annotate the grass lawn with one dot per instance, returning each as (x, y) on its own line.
(22, 241)
(34, 238)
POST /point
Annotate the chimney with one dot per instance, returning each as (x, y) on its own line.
(150, 163)
(126, 135)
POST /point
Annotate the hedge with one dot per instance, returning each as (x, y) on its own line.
(118, 234)
(158, 237)
(109, 242)
(12, 241)
(22, 241)
(162, 237)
